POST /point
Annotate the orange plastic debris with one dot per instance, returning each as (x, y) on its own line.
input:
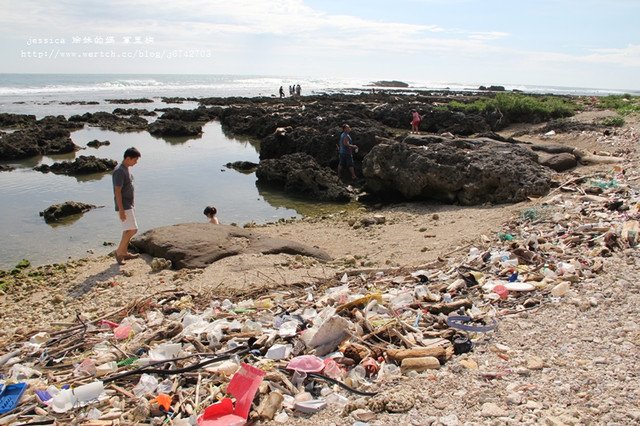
(164, 401)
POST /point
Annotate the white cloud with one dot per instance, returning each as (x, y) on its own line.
(628, 56)
(491, 35)
(289, 35)
(197, 21)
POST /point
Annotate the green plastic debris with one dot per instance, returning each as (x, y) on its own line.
(530, 214)
(127, 361)
(506, 237)
(604, 184)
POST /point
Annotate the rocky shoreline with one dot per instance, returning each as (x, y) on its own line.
(298, 141)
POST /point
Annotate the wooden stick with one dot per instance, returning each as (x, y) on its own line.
(123, 391)
(197, 401)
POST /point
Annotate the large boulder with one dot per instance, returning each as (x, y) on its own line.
(196, 245)
(198, 114)
(454, 122)
(398, 115)
(321, 140)
(83, 165)
(16, 120)
(560, 162)
(301, 175)
(58, 211)
(174, 128)
(97, 144)
(108, 121)
(254, 121)
(463, 171)
(37, 140)
(242, 166)
(134, 111)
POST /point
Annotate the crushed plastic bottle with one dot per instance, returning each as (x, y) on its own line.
(333, 370)
(106, 368)
(288, 329)
(402, 300)
(146, 385)
(251, 327)
(564, 268)
(165, 386)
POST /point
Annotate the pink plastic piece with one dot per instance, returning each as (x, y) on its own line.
(122, 332)
(306, 363)
(108, 323)
(333, 370)
(243, 386)
(501, 291)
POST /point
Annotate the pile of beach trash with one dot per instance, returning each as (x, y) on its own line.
(341, 344)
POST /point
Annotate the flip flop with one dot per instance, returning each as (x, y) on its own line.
(130, 256)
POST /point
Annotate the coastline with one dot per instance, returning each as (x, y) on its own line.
(413, 235)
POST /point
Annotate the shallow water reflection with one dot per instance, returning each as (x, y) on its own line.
(174, 182)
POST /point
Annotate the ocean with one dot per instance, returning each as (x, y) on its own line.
(176, 177)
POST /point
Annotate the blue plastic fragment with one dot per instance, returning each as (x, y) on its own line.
(460, 322)
(43, 395)
(10, 396)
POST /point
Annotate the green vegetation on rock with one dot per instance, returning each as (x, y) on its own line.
(24, 263)
(617, 121)
(623, 104)
(519, 108)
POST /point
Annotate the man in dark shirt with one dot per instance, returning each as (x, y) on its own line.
(123, 196)
(345, 152)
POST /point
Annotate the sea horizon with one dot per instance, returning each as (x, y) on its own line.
(248, 85)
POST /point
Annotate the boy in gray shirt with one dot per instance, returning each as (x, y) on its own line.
(123, 196)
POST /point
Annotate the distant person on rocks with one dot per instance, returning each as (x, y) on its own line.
(281, 92)
(291, 91)
(210, 212)
(298, 90)
(345, 152)
(415, 121)
(123, 197)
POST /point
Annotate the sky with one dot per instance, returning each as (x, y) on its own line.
(586, 43)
